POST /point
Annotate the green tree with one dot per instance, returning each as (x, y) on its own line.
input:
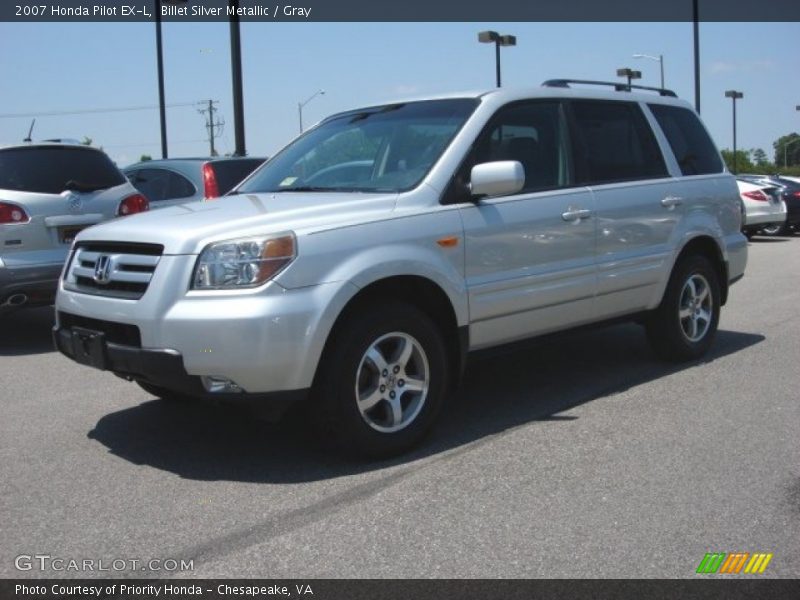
(787, 150)
(743, 162)
(759, 157)
(145, 157)
(86, 141)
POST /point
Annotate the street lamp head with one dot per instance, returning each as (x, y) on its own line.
(507, 40)
(488, 37)
(626, 72)
(734, 94)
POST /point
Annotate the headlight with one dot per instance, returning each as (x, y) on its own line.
(246, 262)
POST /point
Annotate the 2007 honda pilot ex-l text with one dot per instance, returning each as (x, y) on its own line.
(357, 268)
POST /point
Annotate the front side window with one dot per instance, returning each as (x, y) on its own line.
(614, 143)
(690, 143)
(531, 133)
(383, 149)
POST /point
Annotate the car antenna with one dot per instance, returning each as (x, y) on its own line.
(30, 131)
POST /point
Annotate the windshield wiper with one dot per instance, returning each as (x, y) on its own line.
(312, 188)
(79, 186)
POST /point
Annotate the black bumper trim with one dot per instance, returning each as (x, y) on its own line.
(164, 368)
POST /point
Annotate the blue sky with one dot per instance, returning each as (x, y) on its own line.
(73, 66)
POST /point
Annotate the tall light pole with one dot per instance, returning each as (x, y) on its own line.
(659, 58)
(300, 106)
(162, 107)
(696, 19)
(630, 74)
(734, 96)
(492, 37)
(785, 155)
(236, 80)
(785, 146)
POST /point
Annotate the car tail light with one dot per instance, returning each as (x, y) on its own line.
(132, 205)
(796, 194)
(756, 195)
(11, 213)
(210, 182)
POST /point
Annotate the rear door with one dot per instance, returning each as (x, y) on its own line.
(638, 203)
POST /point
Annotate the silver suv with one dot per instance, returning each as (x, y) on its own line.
(358, 267)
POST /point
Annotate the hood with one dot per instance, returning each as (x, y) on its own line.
(188, 228)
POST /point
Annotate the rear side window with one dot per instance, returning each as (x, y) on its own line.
(161, 184)
(613, 142)
(692, 146)
(231, 172)
(53, 169)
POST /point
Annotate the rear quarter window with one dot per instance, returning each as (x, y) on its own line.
(690, 143)
(229, 173)
(49, 170)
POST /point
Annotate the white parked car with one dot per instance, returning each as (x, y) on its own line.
(762, 207)
(48, 193)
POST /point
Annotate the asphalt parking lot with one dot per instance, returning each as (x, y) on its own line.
(582, 456)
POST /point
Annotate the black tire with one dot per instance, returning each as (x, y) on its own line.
(775, 229)
(346, 372)
(162, 393)
(674, 337)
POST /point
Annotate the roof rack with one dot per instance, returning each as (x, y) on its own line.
(620, 87)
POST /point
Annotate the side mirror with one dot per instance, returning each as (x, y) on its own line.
(497, 178)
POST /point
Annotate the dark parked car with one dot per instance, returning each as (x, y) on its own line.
(179, 180)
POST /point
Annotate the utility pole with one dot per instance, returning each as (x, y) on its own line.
(214, 127)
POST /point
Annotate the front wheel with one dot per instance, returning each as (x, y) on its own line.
(684, 324)
(382, 381)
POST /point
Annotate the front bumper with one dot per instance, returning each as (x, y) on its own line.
(266, 339)
(160, 367)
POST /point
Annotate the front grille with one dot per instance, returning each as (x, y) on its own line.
(116, 269)
(116, 333)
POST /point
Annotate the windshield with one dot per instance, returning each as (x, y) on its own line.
(382, 149)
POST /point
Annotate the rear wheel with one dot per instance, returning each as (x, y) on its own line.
(774, 229)
(684, 324)
(382, 381)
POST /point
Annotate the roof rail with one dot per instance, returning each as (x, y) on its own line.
(620, 87)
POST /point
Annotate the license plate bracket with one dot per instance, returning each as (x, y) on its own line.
(89, 347)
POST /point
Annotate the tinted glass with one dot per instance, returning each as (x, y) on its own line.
(230, 172)
(53, 169)
(162, 184)
(613, 142)
(690, 143)
(382, 149)
(532, 134)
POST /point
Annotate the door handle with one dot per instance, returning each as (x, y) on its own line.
(671, 201)
(576, 214)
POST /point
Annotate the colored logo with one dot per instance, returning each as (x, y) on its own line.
(734, 563)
